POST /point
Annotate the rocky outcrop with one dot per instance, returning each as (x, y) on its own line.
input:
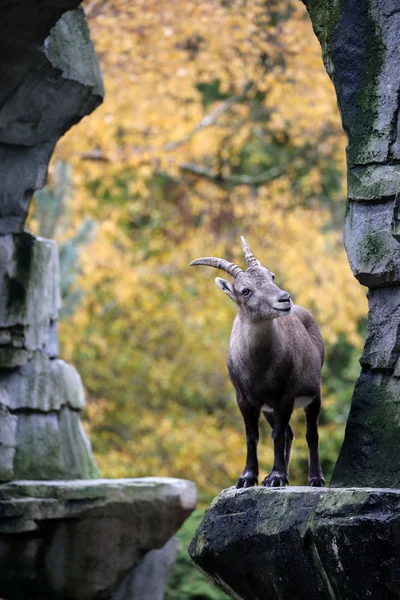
(29, 296)
(359, 41)
(77, 540)
(302, 543)
(147, 581)
(48, 84)
(40, 397)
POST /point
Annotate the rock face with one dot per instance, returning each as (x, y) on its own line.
(359, 40)
(29, 295)
(50, 79)
(48, 84)
(40, 396)
(147, 581)
(76, 540)
(302, 543)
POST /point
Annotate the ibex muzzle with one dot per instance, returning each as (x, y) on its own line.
(274, 364)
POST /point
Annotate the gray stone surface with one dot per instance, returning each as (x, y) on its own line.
(360, 47)
(22, 171)
(396, 217)
(52, 446)
(77, 540)
(13, 357)
(361, 53)
(43, 384)
(29, 293)
(40, 404)
(68, 88)
(147, 581)
(50, 79)
(78, 62)
(386, 15)
(373, 182)
(47, 86)
(76, 448)
(51, 344)
(43, 395)
(382, 344)
(373, 253)
(369, 453)
(8, 441)
(302, 543)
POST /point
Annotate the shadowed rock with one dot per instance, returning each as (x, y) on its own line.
(76, 540)
(47, 86)
(302, 543)
(359, 41)
(147, 581)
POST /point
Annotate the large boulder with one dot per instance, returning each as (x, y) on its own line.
(77, 540)
(302, 543)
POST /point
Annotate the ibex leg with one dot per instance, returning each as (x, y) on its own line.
(289, 437)
(315, 475)
(288, 446)
(278, 476)
(249, 476)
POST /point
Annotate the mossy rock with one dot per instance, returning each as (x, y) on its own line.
(373, 253)
(302, 543)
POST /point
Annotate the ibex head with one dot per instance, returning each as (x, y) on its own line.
(253, 290)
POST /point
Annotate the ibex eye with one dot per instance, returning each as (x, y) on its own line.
(246, 292)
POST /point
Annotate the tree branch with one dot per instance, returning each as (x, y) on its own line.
(232, 180)
(206, 121)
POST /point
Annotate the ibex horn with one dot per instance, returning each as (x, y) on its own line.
(218, 263)
(249, 256)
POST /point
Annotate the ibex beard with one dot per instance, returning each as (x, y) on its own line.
(274, 364)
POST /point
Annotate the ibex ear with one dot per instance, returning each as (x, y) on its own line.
(226, 287)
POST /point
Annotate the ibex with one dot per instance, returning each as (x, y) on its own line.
(274, 364)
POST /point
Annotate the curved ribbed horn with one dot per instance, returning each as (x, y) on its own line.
(218, 263)
(249, 256)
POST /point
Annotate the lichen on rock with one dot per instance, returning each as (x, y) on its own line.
(299, 543)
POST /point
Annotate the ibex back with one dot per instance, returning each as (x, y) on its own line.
(274, 364)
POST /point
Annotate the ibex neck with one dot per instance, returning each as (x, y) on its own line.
(255, 335)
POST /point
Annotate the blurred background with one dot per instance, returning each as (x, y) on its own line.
(219, 121)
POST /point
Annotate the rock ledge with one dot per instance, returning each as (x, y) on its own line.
(76, 540)
(302, 543)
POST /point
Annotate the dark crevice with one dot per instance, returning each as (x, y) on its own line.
(383, 286)
(375, 201)
(394, 125)
(387, 162)
(29, 411)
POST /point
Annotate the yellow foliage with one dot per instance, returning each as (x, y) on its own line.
(151, 334)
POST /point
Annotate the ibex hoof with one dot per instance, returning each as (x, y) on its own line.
(275, 479)
(316, 481)
(247, 480)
